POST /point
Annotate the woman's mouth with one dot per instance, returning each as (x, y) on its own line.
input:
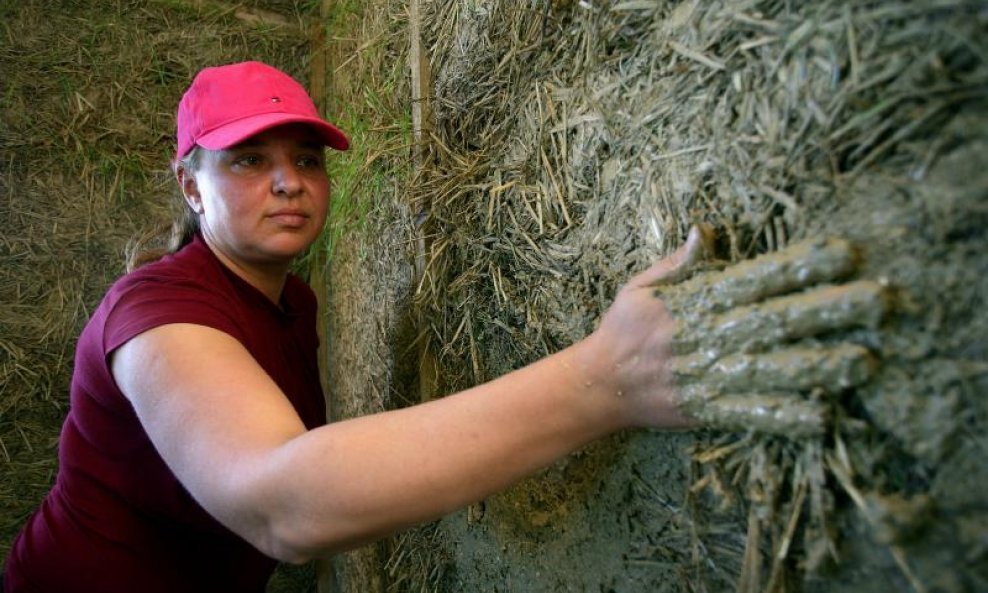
(290, 218)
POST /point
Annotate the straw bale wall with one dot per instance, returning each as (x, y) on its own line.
(571, 143)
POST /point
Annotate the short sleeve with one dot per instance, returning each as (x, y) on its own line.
(147, 304)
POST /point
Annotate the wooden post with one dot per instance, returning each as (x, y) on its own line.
(318, 74)
(421, 77)
(418, 63)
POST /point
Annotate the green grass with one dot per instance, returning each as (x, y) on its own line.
(339, 12)
(359, 174)
(350, 201)
(379, 127)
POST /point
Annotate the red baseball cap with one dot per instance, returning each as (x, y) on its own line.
(225, 105)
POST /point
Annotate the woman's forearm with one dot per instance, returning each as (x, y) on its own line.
(362, 478)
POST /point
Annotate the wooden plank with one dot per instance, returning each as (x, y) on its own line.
(319, 88)
(418, 62)
(421, 78)
(317, 269)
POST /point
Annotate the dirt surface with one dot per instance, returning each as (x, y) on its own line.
(610, 519)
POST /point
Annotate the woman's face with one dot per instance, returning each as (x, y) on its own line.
(263, 201)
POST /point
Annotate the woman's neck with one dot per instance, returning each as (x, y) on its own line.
(269, 278)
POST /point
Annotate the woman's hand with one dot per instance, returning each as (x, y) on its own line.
(630, 351)
(745, 350)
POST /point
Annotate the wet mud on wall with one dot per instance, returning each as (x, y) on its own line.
(614, 517)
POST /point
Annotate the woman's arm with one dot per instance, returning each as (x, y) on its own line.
(237, 445)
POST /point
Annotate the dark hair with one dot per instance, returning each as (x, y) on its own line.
(153, 244)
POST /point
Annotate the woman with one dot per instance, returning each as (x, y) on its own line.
(194, 454)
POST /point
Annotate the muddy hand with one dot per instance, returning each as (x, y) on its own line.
(738, 355)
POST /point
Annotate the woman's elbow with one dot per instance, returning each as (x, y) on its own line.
(290, 541)
(298, 540)
(290, 556)
(290, 550)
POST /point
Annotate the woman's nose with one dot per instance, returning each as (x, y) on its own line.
(286, 180)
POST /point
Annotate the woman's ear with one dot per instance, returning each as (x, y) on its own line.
(190, 190)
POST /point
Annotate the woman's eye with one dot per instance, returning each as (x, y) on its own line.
(247, 160)
(309, 162)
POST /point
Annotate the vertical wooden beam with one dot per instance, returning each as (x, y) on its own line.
(418, 61)
(318, 74)
(421, 77)
(318, 71)
(361, 570)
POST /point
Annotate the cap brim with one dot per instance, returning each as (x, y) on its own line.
(237, 131)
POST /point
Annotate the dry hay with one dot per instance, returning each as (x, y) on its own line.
(574, 142)
(89, 93)
(86, 135)
(372, 333)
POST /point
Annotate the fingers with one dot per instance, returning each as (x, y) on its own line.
(672, 269)
(779, 320)
(799, 265)
(738, 358)
(803, 369)
(760, 392)
(773, 413)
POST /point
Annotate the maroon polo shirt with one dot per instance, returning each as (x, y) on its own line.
(117, 520)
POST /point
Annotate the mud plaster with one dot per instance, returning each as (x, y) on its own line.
(924, 238)
(927, 240)
(624, 528)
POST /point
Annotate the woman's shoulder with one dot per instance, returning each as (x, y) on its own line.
(190, 267)
(180, 288)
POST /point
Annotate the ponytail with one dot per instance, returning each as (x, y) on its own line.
(153, 244)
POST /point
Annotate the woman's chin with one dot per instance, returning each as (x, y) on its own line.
(284, 253)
